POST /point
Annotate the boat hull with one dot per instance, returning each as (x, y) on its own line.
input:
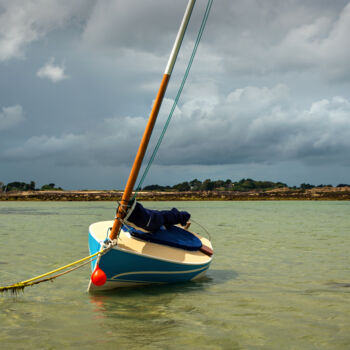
(133, 262)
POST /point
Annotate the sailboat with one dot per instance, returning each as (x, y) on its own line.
(131, 256)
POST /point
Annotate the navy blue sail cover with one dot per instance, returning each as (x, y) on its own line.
(153, 220)
(173, 236)
(160, 227)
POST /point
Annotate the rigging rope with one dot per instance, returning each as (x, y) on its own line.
(160, 139)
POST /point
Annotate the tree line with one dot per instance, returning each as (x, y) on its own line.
(23, 186)
(242, 185)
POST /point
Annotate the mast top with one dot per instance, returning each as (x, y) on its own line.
(180, 35)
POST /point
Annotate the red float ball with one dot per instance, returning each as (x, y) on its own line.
(98, 277)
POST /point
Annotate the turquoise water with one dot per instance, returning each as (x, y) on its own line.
(279, 280)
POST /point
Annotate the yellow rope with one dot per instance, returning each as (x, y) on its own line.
(60, 268)
(21, 285)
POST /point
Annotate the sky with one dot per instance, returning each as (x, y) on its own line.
(268, 95)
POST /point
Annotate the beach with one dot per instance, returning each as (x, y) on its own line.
(316, 193)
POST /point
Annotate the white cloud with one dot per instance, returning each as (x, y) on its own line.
(11, 116)
(23, 22)
(53, 72)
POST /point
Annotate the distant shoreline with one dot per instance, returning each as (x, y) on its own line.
(324, 193)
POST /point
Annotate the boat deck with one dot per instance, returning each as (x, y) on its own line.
(138, 246)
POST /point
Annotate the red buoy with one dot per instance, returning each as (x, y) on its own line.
(98, 276)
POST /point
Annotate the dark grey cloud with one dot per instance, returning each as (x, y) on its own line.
(116, 25)
(261, 38)
(250, 125)
(260, 125)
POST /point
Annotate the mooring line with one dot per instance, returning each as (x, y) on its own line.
(38, 279)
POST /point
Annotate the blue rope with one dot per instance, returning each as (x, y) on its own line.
(155, 150)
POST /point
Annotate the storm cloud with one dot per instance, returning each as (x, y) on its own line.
(249, 125)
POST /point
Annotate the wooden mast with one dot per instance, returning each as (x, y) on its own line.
(150, 125)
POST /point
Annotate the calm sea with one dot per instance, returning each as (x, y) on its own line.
(280, 279)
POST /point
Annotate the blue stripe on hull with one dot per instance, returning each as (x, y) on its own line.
(123, 266)
(157, 277)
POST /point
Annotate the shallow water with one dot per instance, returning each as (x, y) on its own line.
(279, 280)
